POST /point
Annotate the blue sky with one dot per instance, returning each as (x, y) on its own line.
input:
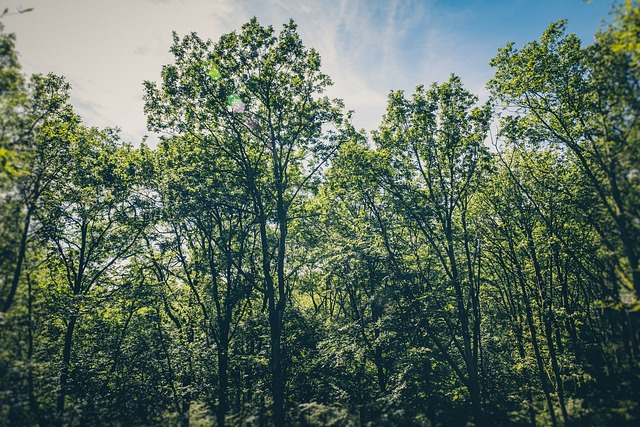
(106, 49)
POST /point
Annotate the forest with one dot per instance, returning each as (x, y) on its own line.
(268, 264)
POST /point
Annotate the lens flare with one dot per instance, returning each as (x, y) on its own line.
(236, 104)
(214, 73)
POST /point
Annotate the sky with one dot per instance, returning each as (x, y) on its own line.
(107, 49)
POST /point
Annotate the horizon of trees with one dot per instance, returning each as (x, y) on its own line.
(267, 264)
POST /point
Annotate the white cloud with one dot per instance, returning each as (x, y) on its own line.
(107, 49)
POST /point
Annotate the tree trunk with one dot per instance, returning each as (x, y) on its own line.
(547, 315)
(33, 403)
(277, 317)
(275, 325)
(223, 377)
(64, 372)
(277, 373)
(17, 272)
(536, 350)
(521, 352)
(469, 355)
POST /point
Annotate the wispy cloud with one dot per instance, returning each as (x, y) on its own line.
(368, 47)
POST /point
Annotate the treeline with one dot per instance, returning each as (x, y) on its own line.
(268, 264)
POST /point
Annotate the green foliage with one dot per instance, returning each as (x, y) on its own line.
(268, 264)
(584, 101)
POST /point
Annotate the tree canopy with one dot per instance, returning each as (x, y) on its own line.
(466, 263)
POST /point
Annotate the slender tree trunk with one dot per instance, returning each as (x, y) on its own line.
(33, 403)
(547, 315)
(277, 320)
(64, 372)
(473, 384)
(474, 293)
(277, 372)
(376, 314)
(569, 322)
(275, 325)
(380, 368)
(17, 272)
(276, 339)
(186, 399)
(544, 380)
(275, 297)
(521, 352)
(223, 376)
(186, 381)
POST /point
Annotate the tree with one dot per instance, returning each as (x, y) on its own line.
(206, 242)
(91, 224)
(435, 143)
(587, 101)
(357, 238)
(253, 99)
(36, 128)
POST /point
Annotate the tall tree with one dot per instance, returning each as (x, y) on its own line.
(207, 238)
(91, 223)
(37, 123)
(435, 143)
(253, 98)
(587, 100)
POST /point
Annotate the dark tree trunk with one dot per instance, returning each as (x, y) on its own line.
(223, 377)
(64, 372)
(17, 272)
(547, 315)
